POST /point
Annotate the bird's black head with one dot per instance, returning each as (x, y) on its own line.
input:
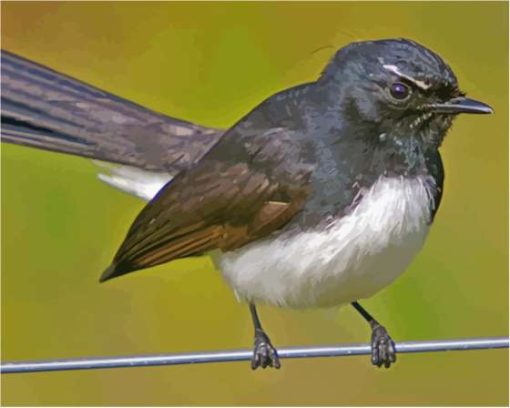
(398, 88)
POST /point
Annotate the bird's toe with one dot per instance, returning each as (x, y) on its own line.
(383, 347)
(264, 354)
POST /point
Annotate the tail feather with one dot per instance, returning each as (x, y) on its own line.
(45, 109)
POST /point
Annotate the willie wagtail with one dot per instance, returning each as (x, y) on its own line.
(320, 196)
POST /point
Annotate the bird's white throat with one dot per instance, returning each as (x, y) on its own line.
(353, 258)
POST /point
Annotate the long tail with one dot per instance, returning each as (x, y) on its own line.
(45, 109)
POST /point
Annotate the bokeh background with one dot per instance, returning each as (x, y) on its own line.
(211, 63)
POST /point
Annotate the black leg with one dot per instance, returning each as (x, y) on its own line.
(383, 347)
(264, 354)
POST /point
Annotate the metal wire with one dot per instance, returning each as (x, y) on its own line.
(243, 355)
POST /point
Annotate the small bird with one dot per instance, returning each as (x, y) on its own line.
(320, 196)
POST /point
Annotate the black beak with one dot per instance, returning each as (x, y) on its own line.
(461, 105)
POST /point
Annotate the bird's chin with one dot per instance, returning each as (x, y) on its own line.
(433, 129)
(421, 120)
(436, 122)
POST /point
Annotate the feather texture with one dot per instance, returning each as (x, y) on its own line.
(353, 258)
(48, 110)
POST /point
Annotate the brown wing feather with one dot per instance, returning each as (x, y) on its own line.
(221, 204)
(186, 245)
(236, 208)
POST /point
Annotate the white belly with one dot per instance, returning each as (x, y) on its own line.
(352, 258)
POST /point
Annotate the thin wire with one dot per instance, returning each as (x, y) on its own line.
(244, 355)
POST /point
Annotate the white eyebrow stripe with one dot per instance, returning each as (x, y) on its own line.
(420, 84)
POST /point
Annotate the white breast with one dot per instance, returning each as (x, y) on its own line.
(351, 259)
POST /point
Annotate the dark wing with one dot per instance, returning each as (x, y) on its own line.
(48, 110)
(220, 204)
(434, 165)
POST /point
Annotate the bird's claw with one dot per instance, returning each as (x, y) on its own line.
(383, 347)
(264, 354)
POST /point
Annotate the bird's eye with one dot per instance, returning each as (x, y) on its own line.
(399, 90)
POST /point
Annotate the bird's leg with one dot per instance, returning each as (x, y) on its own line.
(264, 354)
(383, 347)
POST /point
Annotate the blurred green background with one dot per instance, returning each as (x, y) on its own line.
(211, 63)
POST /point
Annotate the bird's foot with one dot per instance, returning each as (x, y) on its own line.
(383, 347)
(264, 354)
